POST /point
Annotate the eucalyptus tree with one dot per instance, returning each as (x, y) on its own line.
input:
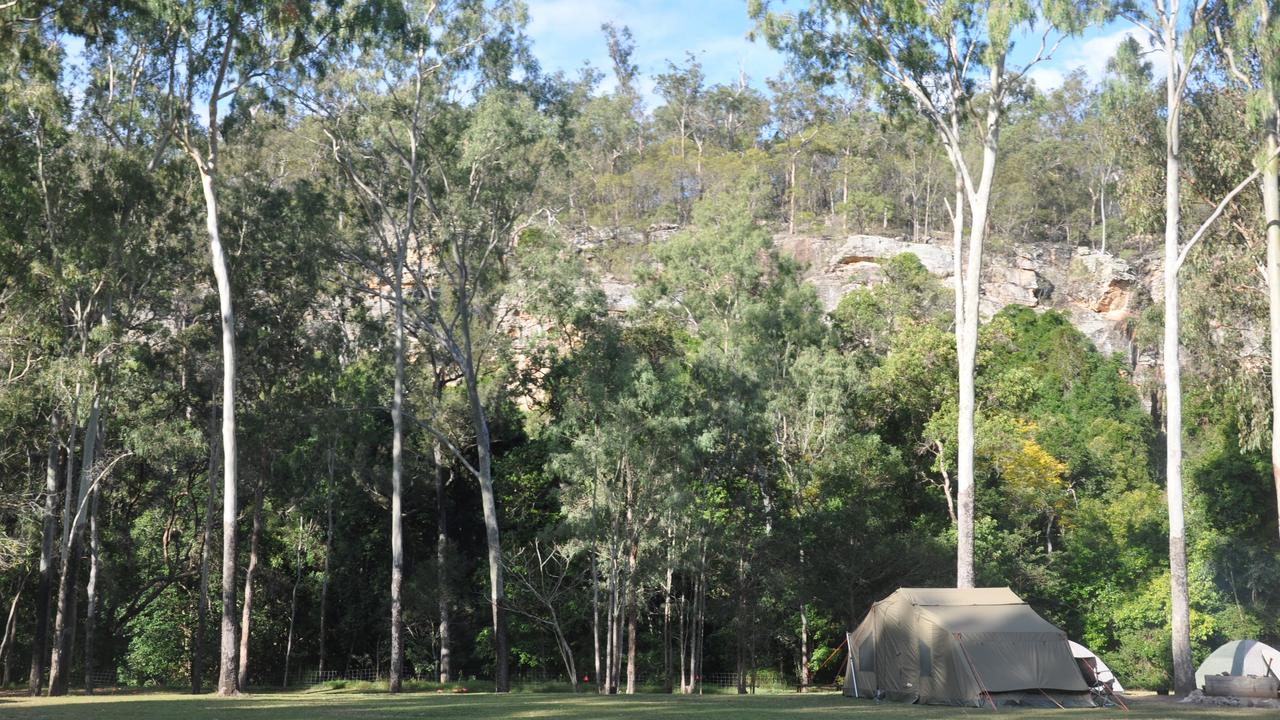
(33, 332)
(1179, 31)
(206, 55)
(930, 57)
(440, 148)
(1247, 35)
(799, 111)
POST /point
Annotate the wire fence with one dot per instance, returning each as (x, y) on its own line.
(104, 678)
(368, 674)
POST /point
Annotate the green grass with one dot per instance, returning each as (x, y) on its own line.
(319, 705)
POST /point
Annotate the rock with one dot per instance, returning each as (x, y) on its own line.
(1102, 282)
(619, 295)
(873, 249)
(1013, 280)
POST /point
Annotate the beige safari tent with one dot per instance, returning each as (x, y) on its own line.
(972, 647)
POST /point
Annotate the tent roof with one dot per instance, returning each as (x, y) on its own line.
(960, 596)
(1239, 657)
(977, 610)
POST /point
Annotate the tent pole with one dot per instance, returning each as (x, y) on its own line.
(848, 638)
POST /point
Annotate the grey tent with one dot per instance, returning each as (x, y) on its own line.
(1240, 657)
(962, 647)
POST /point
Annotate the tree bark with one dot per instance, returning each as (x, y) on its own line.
(595, 618)
(1102, 208)
(202, 605)
(69, 476)
(740, 632)
(806, 677)
(968, 335)
(397, 471)
(228, 662)
(246, 612)
(497, 594)
(666, 620)
(791, 199)
(65, 620)
(1183, 672)
(632, 611)
(91, 590)
(682, 614)
(40, 635)
(1271, 214)
(442, 559)
(10, 628)
(328, 551)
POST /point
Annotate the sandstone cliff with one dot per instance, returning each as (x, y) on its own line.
(1098, 291)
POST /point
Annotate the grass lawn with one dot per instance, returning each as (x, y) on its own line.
(481, 706)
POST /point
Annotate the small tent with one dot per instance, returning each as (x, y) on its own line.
(1239, 657)
(971, 646)
(1098, 668)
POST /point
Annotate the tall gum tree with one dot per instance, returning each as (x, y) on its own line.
(1180, 32)
(950, 62)
(207, 53)
(439, 184)
(1247, 37)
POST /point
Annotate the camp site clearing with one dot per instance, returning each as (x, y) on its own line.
(486, 706)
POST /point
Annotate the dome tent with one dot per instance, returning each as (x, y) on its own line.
(1239, 657)
(951, 646)
(1100, 669)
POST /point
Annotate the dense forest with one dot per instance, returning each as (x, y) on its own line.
(308, 371)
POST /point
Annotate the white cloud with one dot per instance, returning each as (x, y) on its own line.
(1046, 78)
(1091, 54)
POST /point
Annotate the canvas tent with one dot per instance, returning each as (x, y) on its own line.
(1096, 666)
(961, 647)
(1239, 657)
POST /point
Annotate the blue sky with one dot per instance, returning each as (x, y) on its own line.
(566, 33)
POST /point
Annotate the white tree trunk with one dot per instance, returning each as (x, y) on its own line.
(489, 504)
(39, 638)
(328, 553)
(65, 621)
(10, 630)
(968, 338)
(1102, 207)
(255, 536)
(228, 661)
(397, 470)
(442, 559)
(1271, 213)
(595, 618)
(1183, 673)
(91, 590)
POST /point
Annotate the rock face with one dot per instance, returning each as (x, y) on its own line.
(1097, 290)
